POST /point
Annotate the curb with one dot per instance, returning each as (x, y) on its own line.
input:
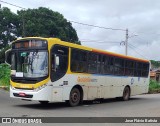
(4, 87)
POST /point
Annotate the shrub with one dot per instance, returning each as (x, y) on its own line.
(154, 87)
(4, 75)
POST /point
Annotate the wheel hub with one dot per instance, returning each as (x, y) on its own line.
(75, 97)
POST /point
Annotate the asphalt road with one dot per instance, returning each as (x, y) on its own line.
(147, 105)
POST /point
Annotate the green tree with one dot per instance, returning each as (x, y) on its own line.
(41, 22)
(155, 64)
(2, 54)
(8, 26)
(46, 23)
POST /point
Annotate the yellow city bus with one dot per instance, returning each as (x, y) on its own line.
(51, 70)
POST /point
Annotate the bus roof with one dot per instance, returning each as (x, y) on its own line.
(58, 41)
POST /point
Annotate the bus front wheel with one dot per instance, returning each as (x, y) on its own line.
(74, 98)
(126, 94)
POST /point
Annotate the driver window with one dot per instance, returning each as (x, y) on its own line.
(60, 69)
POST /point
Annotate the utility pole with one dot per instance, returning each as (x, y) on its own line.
(126, 43)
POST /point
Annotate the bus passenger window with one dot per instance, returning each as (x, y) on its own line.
(129, 68)
(119, 66)
(111, 65)
(99, 70)
(78, 61)
(92, 62)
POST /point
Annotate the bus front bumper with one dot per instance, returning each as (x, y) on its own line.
(44, 94)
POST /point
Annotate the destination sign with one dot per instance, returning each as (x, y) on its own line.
(29, 44)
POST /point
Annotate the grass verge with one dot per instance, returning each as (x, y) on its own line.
(154, 87)
(4, 76)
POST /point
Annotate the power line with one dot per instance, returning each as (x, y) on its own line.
(70, 20)
(23, 21)
(148, 33)
(97, 26)
(12, 4)
(107, 28)
(99, 41)
(137, 52)
(83, 23)
(106, 42)
(135, 47)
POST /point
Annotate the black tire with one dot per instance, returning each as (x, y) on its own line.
(126, 94)
(44, 102)
(74, 98)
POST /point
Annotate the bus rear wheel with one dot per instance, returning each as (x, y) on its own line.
(126, 94)
(74, 98)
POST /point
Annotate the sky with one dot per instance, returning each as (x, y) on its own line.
(140, 17)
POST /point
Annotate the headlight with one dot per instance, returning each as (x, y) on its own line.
(41, 87)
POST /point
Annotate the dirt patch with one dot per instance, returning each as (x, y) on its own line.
(4, 87)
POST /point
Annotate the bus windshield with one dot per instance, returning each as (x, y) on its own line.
(32, 64)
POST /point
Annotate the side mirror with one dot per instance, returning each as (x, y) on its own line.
(56, 60)
(8, 56)
(55, 63)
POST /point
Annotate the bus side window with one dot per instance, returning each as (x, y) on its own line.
(92, 62)
(145, 70)
(129, 68)
(103, 65)
(78, 61)
(119, 66)
(59, 62)
(111, 65)
(99, 63)
(139, 66)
